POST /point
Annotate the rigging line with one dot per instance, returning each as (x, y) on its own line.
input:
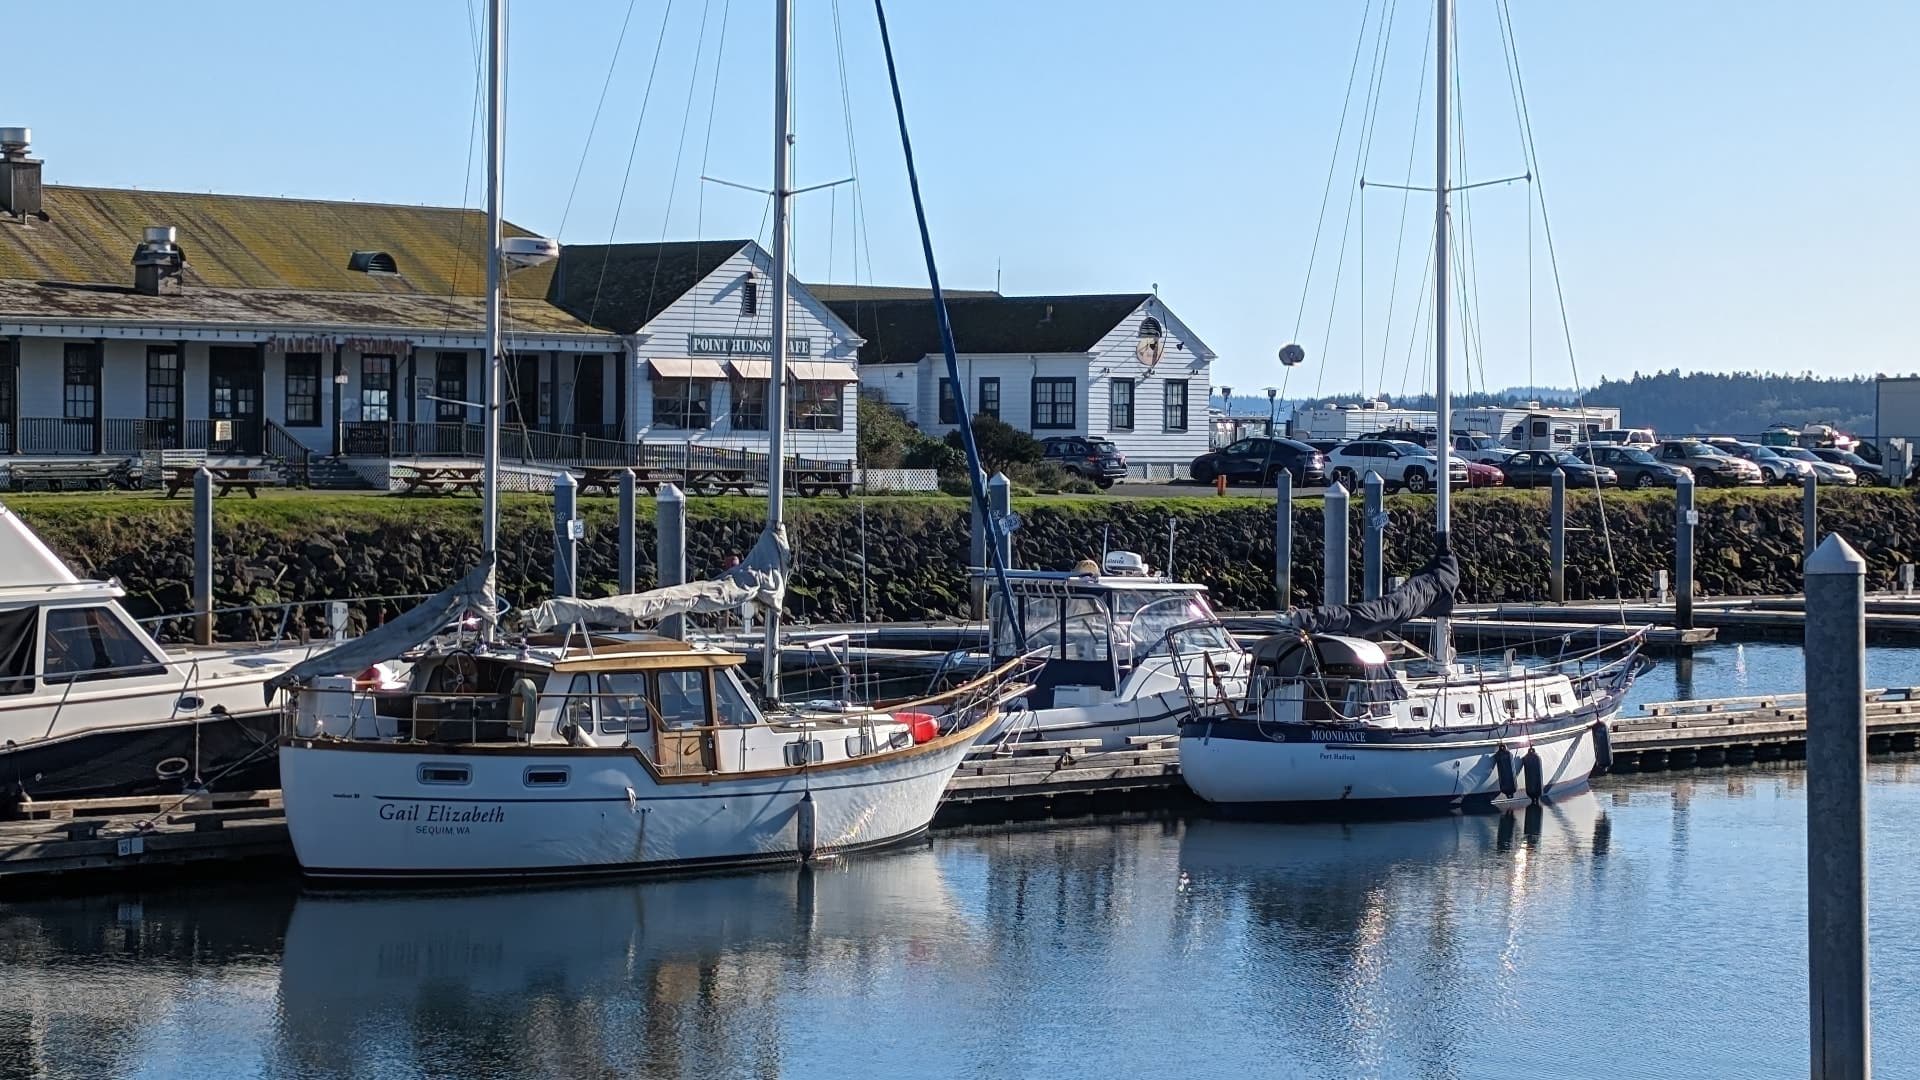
(1553, 260)
(1353, 193)
(1413, 143)
(1471, 336)
(706, 144)
(626, 175)
(862, 235)
(1420, 302)
(613, 62)
(1383, 48)
(1333, 161)
(466, 181)
(679, 153)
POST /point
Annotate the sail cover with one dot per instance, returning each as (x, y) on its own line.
(1428, 594)
(385, 642)
(761, 579)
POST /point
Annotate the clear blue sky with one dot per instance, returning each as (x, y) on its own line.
(1731, 185)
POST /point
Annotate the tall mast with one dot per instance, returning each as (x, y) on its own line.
(1442, 645)
(490, 467)
(777, 376)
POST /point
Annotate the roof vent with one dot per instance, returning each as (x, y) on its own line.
(373, 262)
(158, 262)
(19, 174)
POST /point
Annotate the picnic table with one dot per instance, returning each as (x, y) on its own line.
(811, 480)
(719, 480)
(227, 479)
(438, 479)
(56, 475)
(605, 479)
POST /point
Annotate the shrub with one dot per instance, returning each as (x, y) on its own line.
(1001, 445)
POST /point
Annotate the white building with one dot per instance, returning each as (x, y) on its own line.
(1114, 366)
(696, 316)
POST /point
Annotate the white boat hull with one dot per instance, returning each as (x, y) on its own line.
(1436, 772)
(362, 810)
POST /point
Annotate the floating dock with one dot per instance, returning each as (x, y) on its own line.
(116, 838)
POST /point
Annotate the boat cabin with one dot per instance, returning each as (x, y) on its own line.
(682, 706)
(1093, 630)
(1325, 680)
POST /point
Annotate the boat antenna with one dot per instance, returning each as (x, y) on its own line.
(976, 477)
(1442, 647)
(777, 374)
(490, 451)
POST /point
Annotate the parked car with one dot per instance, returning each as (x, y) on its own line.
(1421, 438)
(1325, 446)
(1260, 460)
(1638, 436)
(1866, 471)
(1480, 446)
(1534, 468)
(1400, 464)
(1774, 469)
(1090, 459)
(1634, 467)
(1824, 471)
(1480, 474)
(1711, 466)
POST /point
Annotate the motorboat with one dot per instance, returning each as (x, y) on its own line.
(1121, 653)
(91, 705)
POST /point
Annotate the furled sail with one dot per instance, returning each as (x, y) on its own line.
(385, 642)
(1428, 594)
(761, 579)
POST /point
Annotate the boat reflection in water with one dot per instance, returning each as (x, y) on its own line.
(669, 977)
(1388, 939)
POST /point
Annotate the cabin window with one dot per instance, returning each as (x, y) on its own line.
(730, 706)
(859, 746)
(90, 643)
(1042, 623)
(1554, 699)
(578, 711)
(1419, 712)
(1466, 708)
(16, 650)
(432, 773)
(546, 776)
(623, 703)
(1513, 705)
(805, 752)
(1086, 629)
(683, 699)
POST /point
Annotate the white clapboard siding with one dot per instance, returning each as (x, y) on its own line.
(714, 307)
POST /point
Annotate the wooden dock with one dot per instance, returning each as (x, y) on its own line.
(114, 839)
(1890, 616)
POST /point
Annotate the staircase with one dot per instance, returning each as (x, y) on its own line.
(333, 474)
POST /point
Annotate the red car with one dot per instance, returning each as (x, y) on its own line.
(1480, 474)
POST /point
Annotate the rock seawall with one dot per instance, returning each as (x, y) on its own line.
(915, 549)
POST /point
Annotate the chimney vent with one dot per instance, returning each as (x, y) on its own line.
(157, 263)
(19, 174)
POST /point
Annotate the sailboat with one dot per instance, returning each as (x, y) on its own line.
(566, 751)
(1330, 722)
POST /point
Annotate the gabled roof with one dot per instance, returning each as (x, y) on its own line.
(903, 331)
(623, 286)
(825, 293)
(256, 260)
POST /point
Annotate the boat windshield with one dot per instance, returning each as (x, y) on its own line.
(1148, 617)
(1347, 695)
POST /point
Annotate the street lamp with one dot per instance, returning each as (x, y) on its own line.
(1272, 392)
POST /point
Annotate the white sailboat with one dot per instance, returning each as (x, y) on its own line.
(1330, 723)
(569, 753)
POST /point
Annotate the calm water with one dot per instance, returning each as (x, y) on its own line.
(1653, 928)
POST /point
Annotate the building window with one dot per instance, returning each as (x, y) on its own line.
(683, 404)
(163, 382)
(748, 412)
(376, 388)
(1176, 405)
(80, 395)
(303, 389)
(949, 403)
(749, 298)
(815, 406)
(1054, 403)
(990, 398)
(450, 386)
(1120, 405)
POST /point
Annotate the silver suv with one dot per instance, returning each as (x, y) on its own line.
(1400, 464)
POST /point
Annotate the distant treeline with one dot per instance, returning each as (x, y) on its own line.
(1739, 403)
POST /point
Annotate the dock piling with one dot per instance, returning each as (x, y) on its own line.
(976, 560)
(1000, 505)
(1333, 589)
(670, 527)
(1557, 539)
(1283, 541)
(1836, 812)
(1685, 517)
(203, 556)
(1809, 516)
(1373, 530)
(566, 522)
(629, 530)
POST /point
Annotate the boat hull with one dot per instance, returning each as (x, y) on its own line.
(1250, 766)
(153, 758)
(363, 810)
